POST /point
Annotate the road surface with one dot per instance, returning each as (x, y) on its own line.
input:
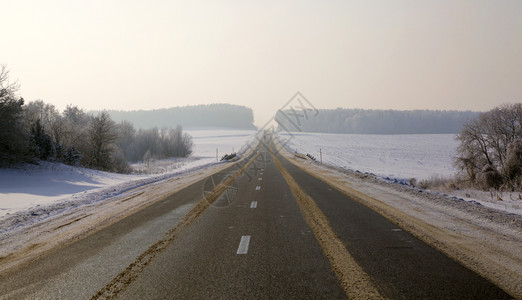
(263, 228)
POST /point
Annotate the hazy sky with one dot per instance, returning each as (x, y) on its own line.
(355, 54)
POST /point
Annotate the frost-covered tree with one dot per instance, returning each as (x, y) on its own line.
(175, 143)
(126, 137)
(143, 145)
(513, 165)
(490, 149)
(102, 135)
(76, 126)
(184, 142)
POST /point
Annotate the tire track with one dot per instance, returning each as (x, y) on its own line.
(73, 221)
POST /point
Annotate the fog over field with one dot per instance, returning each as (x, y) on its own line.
(366, 121)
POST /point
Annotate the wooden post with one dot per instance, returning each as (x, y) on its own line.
(217, 156)
(321, 154)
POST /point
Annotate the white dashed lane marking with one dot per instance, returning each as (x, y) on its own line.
(243, 245)
(260, 178)
(258, 188)
(254, 204)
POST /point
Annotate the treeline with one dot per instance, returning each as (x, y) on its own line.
(145, 144)
(211, 115)
(360, 121)
(38, 131)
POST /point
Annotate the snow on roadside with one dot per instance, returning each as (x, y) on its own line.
(52, 187)
(504, 201)
(397, 158)
(44, 184)
(484, 240)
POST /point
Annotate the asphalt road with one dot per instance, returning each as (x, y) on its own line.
(255, 241)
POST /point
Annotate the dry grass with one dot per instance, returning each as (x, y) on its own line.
(442, 183)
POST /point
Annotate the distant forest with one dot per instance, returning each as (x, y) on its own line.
(360, 121)
(211, 115)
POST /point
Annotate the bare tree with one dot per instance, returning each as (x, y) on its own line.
(183, 144)
(126, 137)
(76, 125)
(102, 135)
(6, 87)
(152, 143)
(482, 154)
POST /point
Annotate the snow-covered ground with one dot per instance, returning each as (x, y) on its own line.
(403, 157)
(225, 141)
(396, 158)
(37, 185)
(34, 186)
(206, 142)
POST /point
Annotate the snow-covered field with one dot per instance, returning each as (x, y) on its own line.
(33, 186)
(396, 158)
(419, 156)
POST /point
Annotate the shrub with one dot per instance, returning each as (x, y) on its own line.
(413, 181)
(439, 182)
(513, 165)
(490, 177)
(72, 156)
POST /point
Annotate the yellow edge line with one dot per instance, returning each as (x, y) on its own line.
(355, 282)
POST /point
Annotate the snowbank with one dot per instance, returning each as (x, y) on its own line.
(47, 183)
